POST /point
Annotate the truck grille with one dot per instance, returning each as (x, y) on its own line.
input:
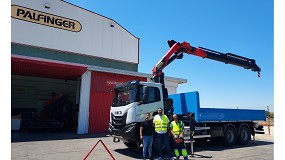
(119, 121)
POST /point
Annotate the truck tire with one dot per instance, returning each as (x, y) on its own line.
(243, 135)
(229, 137)
(132, 145)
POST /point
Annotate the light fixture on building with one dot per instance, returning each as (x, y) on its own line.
(112, 24)
(47, 6)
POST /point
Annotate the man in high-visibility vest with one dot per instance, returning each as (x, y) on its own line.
(177, 130)
(161, 125)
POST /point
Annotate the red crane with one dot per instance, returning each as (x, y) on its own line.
(176, 52)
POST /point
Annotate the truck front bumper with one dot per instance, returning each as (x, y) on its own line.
(129, 133)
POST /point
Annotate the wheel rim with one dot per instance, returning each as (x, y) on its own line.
(230, 136)
(243, 135)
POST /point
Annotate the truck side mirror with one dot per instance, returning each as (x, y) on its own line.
(168, 105)
(154, 113)
(112, 91)
(145, 94)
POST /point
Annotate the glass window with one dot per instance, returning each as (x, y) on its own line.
(153, 94)
(124, 96)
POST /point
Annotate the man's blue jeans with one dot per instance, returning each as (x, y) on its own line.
(163, 138)
(147, 143)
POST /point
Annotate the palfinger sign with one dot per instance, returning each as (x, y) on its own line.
(34, 16)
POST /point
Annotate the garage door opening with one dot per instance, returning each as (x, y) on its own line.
(45, 95)
(43, 103)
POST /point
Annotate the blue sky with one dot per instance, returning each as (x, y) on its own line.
(241, 27)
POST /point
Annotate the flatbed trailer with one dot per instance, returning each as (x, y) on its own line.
(231, 126)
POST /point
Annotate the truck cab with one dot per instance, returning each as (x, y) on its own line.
(131, 102)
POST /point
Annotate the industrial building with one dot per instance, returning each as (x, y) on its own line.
(65, 61)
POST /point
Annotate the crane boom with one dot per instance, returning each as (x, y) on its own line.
(176, 52)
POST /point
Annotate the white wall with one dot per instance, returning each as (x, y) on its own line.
(170, 85)
(96, 38)
(83, 116)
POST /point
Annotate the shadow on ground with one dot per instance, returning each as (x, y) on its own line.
(134, 153)
(198, 147)
(213, 146)
(46, 135)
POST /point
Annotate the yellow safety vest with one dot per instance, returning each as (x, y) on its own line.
(177, 129)
(161, 124)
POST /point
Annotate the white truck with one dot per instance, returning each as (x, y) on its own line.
(134, 99)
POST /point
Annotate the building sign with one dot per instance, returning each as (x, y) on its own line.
(112, 83)
(34, 16)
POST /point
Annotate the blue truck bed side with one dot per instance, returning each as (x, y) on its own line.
(189, 102)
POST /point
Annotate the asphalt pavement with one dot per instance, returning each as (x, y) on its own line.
(69, 145)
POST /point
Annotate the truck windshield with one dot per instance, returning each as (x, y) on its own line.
(124, 96)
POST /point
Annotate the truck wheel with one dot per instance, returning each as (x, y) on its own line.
(229, 138)
(131, 145)
(243, 135)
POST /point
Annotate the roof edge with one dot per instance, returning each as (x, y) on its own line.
(101, 69)
(101, 16)
(131, 73)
